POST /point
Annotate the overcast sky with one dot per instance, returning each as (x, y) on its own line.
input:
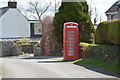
(101, 5)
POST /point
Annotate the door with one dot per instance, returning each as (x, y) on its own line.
(71, 43)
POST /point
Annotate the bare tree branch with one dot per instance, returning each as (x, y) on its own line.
(42, 12)
(56, 5)
(34, 7)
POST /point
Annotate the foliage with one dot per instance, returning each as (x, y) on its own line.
(108, 53)
(107, 32)
(74, 12)
(25, 41)
(111, 67)
(37, 44)
(22, 41)
(49, 45)
(23, 53)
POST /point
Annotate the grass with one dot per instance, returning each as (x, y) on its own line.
(111, 67)
(87, 44)
(23, 53)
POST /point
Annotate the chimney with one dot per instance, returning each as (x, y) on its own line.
(12, 4)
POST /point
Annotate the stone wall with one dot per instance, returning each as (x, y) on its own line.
(37, 51)
(6, 49)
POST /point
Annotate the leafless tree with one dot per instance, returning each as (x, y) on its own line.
(96, 16)
(57, 4)
(37, 9)
(100, 18)
(90, 11)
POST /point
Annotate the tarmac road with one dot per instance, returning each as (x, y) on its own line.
(45, 68)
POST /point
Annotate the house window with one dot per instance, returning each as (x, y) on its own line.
(112, 17)
(37, 28)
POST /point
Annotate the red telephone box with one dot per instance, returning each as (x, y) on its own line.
(70, 41)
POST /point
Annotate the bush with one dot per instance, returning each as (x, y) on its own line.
(22, 41)
(74, 12)
(108, 53)
(107, 32)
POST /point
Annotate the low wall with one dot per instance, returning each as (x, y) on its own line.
(6, 49)
(37, 51)
(109, 53)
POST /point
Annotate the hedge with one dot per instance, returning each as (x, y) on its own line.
(108, 32)
(108, 53)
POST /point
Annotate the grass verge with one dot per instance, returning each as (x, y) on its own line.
(110, 67)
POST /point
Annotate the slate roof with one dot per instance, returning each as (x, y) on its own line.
(3, 10)
(114, 8)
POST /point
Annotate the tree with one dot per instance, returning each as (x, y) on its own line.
(57, 4)
(49, 46)
(74, 12)
(96, 16)
(37, 10)
(90, 11)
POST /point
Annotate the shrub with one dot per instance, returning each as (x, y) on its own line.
(108, 53)
(107, 32)
(22, 41)
(74, 12)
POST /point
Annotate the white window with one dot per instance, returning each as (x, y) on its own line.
(112, 17)
(37, 28)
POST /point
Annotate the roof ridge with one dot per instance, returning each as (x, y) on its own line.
(113, 8)
(3, 10)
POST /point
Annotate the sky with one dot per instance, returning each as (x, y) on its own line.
(101, 6)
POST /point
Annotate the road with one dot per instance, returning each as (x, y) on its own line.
(45, 68)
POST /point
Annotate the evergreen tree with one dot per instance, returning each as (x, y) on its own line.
(74, 12)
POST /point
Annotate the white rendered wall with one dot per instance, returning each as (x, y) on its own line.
(14, 25)
(114, 17)
(0, 27)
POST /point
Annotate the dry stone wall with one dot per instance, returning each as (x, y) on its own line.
(6, 49)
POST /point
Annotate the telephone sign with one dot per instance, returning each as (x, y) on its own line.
(70, 41)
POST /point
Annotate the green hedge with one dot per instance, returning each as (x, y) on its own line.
(108, 32)
(108, 53)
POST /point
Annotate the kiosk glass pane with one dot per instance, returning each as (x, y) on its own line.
(71, 41)
(71, 44)
(71, 31)
(71, 37)
(71, 34)
(71, 54)
(71, 51)
(72, 48)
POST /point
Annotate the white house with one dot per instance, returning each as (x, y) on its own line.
(114, 11)
(13, 24)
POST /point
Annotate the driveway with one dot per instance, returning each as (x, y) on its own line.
(45, 67)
